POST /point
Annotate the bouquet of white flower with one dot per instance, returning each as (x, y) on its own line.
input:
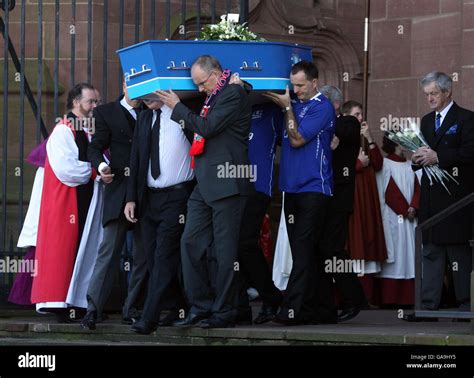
(228, 30)
(411, 138)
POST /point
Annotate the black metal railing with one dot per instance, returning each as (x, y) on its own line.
(464, 202)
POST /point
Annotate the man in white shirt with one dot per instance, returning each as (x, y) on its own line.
(161, 180)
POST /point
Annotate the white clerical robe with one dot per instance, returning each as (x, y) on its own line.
(398, 230)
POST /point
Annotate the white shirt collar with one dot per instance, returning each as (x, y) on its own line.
(125, 104)
(312, 98)
(445, 111)
(165, 110)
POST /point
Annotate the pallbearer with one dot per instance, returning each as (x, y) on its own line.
(217, 202)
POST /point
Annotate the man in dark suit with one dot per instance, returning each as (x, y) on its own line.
(161, 180)
(216, 204)
(336, 227)
(449, 132)
(114, 124)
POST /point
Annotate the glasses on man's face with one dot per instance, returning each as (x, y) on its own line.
(205, 81)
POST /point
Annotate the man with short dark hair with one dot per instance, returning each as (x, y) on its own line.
(216, 204)
(306, 178)
(161, 180)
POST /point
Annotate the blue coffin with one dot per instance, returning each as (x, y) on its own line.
(152, 65)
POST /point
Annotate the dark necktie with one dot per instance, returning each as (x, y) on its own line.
(155, 147)
(137, 112)
(438, 122)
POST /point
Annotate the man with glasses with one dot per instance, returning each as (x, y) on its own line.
(66, 202)
(221, 133)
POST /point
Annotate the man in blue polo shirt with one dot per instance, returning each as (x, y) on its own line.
(265, 130)
(306, 178)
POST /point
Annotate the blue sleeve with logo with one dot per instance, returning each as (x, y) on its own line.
(316, 119)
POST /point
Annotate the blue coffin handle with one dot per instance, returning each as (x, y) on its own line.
(134, 73)
(173, 66)
(152, 65)
(246, 67)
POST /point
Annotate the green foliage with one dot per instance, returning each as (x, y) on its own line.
(228, 30)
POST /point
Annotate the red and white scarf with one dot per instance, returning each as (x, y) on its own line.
(197, 148)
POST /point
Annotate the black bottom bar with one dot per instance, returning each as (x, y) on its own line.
(259, 361)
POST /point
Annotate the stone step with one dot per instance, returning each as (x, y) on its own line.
(369, 328)
(22, 341)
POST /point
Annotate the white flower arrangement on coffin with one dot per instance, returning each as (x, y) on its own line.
(411, 138)
(227, 30)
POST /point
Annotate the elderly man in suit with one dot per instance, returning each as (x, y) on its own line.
(216, 204)
(114, 124)
(449, 132)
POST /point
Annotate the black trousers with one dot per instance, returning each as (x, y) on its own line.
(161, 227)
(253, 266)
(333, 243)
(305, 215)
(215, 223)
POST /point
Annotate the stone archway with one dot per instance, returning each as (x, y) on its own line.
(304, 22)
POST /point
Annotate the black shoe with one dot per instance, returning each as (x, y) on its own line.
(266, 314)
(412, 318)
(64, 317)
(89, 320)
(326, 320)
(348, 314)
(244, 318)
(130, 321)
(143, 327)
(190, 320)
(291, 322)
(169, 319)
(214, 322)
(102, 318)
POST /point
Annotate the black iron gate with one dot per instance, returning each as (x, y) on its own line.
(50, 46)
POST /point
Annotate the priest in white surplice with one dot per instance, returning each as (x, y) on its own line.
(70, 204)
